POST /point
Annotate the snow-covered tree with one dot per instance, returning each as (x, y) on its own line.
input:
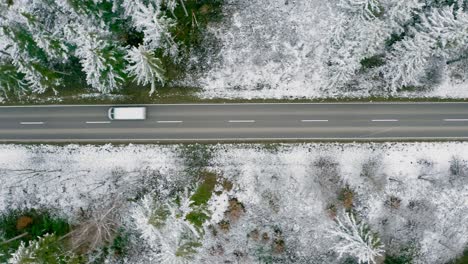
(406, 64)
(163, 226)
(102, 62)
(356, 32)
(149, 19)
(355, 238)
(38, 36)
(366, 9)
(46, 249)
(442, 33)
(144, 67)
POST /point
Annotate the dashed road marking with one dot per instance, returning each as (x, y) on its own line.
(456, 120)
(384, 120)
(169, 122)
(98, 122)
(314, 120)
(241, 121)
(31, 123)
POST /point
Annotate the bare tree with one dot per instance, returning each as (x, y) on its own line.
(98, 230)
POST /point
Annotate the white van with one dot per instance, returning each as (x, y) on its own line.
(127, 113)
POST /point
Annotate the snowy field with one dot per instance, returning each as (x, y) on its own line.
(272, 203)
(316, 49)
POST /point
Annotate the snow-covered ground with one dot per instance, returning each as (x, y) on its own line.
(281, 204)
(269, 49)
(314, 49)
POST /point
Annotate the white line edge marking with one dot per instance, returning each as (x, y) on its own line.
(384, 120)
(318, 139)
(455, 120)
(318, 120)
(31, 123)
(231, 104)
(98, 122)
(241, 121)
(169, 122)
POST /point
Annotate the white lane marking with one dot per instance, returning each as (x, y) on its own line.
(455, 120)
(317, 120)
(169, 122)
(241, 121)
(384, 120)
(98, 122)
(31, 123)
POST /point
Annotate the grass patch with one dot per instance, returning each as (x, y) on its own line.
(200, 199)
(197, 218)
(205, 190)
(29, 224)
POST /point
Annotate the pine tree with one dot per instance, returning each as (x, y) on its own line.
(45, 250)
(442, 33)
(356, 32)
(149, 19)
(355, 238)
(144, 67)
(163, 226)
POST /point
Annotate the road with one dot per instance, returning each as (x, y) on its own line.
(238, 122)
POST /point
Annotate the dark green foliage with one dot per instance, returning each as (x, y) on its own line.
(133, 38)
(349, 260)
(463, 259)
(394, 38)
(42, 223)
(197, 218)
(372, 62)
(401, 259)
(191, 25)
(205, 189)
(11, 80)
(25, 41)
(201, 197)
(49, 250)
(454, 3)
(120, 246)
(188, 32)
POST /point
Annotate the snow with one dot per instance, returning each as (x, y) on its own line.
(413, 195)
(266, 52)
(73, 176)
(286, 49)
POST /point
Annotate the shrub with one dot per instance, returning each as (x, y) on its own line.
(22, 226)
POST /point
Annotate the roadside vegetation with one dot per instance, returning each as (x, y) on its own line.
(65, 49)
(37, 236)
(250, 203)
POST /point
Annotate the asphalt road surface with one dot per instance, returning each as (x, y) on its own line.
(238, 122)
